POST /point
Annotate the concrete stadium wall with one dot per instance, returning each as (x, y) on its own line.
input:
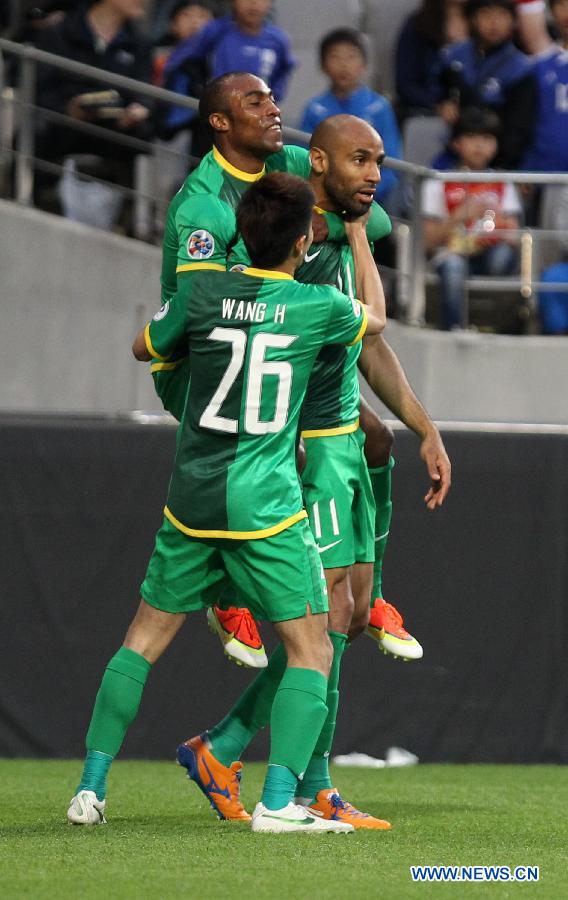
(72, 299)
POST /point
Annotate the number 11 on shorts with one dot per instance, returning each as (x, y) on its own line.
(317, 519)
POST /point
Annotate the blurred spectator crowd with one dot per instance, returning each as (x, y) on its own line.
(480, 85)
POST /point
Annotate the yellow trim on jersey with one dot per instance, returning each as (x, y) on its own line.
(190, 266)
(267, 273)
(149, 346)
(232, 170)
(319, 210)
(236, 535)
(166, 366)
(363, 327)
(331, 432)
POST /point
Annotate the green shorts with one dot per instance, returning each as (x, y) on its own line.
(277, 577)
(339, 499)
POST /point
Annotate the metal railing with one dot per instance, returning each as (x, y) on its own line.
(412, 273)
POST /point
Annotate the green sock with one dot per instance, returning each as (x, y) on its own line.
(381, 483)
(317, 776)
(115, 709)
(279, 787)
(298, 714)
(250, 713)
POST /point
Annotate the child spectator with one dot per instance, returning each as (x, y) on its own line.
(460, 219)
(488, 70)
(187, 19)
(549, 149)
(243, 41)
(343, 58)
(434, 25)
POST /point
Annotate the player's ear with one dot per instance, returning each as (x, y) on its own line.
(318, 159)
(219, 121)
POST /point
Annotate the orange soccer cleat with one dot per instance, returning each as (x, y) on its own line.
(329, 805)
(238, 632)
(220, 784)
(386, 628)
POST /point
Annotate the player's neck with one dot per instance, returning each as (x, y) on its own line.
(288, 266)
(243, 161)
(323, 202)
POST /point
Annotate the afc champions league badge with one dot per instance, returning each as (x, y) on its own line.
(200, 245)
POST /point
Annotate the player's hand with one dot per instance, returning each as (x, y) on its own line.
(319, 225)
(354, 226)
(433, 453)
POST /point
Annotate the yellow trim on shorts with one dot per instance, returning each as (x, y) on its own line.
(330, 432)
(267, 273)
(150, 347)
(235, 535)
(190, 267)
(363, 327)
(167, 366)
(232, 170)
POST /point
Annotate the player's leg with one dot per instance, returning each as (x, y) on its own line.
(292, 594)
(386, 623)
(336, 469)
(169, 591)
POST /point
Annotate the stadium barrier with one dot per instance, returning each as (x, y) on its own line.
(18, 111)
(482, 584)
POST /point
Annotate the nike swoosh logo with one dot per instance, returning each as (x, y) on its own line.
(381, 536)
(328, 546)
(309, 257)
(307, 821)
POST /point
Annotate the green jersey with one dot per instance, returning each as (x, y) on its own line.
(252, 338)
(332, 399)
(201, 228)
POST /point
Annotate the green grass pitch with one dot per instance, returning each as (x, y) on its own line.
(162, 841)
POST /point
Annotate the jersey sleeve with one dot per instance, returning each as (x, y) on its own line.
(166, 331)
(347, 321)
(378, 226)
(206, 227)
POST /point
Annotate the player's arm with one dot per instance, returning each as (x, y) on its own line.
(368, 283)
(164, 334)
(385, 376)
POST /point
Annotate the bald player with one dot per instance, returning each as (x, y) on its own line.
(346, 156)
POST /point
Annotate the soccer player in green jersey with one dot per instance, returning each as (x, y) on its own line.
(200, 233)
(234, 512)
(346, 158)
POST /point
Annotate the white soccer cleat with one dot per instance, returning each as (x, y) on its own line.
(293, 818)
(86, 809)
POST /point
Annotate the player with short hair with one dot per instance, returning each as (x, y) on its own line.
(199, 233)
(252, 337)
(346, 156)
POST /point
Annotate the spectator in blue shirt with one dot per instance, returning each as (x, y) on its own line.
(489, 71)
(435, 24)
(343, 58)
(243, 41)
(549, 149)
